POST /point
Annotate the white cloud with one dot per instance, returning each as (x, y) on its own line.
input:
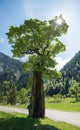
(1, 40)
(61, 62)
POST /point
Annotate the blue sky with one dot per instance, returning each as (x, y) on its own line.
(14, 12)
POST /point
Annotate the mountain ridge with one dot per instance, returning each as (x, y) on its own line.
(72, 68)
(71, 71)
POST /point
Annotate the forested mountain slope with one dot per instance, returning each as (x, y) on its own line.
(71, 71)
(72, 68)
(11, 72)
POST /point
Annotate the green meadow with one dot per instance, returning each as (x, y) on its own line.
(16, 121)
(67, 104)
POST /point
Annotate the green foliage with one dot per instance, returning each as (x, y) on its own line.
(57, 98)
(54, 87)
(11, 70)
(1, 96)
(75, 89)
(12, 97)
(34, 38)
(23, 96)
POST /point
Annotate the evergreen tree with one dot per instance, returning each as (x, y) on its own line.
(12, 96)
(1, 96)
(75, 89)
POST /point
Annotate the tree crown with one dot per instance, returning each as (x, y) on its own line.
(39, 40)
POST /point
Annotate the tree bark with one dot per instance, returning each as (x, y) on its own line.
(37, 103)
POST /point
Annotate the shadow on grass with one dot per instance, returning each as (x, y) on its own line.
(75, 101)
(19, 123)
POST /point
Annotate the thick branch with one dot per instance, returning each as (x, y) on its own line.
(31, 51)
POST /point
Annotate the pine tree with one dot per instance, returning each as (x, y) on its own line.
(12, 97)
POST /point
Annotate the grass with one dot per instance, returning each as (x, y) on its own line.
(24, 106)
(67, 104)
(16, 121)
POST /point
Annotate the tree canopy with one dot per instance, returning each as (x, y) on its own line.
(39, 41)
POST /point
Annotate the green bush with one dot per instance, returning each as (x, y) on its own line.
(57, 98)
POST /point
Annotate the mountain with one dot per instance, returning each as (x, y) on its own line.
(70, 71)
(9, 64)
(72, 68)
(11, 72)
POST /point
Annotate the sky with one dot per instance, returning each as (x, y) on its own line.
(14, 12)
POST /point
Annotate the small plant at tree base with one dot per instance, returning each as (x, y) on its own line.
(39, 41)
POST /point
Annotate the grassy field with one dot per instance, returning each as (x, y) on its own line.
(16, 121)
(67, 104)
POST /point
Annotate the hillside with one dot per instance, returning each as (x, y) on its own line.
(72, 68)
(70, 71)
(11, 72)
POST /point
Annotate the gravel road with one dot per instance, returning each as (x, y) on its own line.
(72, 118)
(68, 117)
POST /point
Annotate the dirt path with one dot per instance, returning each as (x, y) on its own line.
(12, 109)
(68, 117)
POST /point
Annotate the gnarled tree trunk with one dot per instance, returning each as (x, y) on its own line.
(37, 104)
